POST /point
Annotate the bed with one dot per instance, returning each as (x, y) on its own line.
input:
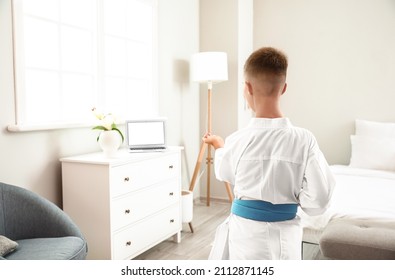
(359, 193)
(365, 189)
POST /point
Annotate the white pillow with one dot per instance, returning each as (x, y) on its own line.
(374, 129)
(372, 153)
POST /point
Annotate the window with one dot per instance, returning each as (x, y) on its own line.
(72, 55)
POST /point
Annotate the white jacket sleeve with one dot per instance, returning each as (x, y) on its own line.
(223, 166)
(318, 183)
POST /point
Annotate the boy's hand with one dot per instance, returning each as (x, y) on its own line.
(214, 140)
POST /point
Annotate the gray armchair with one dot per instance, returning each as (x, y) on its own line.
(41, 229)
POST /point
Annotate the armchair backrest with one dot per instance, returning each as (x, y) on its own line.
(24, 214)
(2, 227)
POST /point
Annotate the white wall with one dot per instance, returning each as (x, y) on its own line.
(31, 159)
(341, 64)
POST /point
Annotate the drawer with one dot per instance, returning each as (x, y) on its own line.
(142, 235)
(143, 203)
(131, 177)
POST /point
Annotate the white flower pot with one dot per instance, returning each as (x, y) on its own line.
(110, 141)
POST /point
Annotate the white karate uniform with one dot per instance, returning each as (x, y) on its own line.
(270, 160)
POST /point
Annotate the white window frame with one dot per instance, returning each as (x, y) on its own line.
(21, 124)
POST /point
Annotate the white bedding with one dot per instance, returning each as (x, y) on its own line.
(359, 193)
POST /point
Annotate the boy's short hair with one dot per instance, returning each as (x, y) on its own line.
(266, 60)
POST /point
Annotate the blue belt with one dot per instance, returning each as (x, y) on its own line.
(264, 211)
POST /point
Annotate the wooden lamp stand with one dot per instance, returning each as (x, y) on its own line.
(209, 159)
(208, 67)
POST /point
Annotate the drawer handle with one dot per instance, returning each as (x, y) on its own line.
(171, 166)
(127, 211)
(172, 221)
(171, 194)
(128, 243)
(126, 179)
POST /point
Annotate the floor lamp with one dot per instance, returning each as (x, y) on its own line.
(209, 68)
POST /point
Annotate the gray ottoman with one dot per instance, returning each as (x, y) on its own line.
(358, 239)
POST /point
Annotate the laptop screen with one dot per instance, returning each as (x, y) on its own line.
(146, 133)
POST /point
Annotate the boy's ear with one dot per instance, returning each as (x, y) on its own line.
(249, 87)
(284, 89)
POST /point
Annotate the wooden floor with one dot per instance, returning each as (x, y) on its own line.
(197, 245)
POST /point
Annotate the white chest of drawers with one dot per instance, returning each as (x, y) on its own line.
(124, 205)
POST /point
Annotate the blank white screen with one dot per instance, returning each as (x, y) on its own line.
(146, 133)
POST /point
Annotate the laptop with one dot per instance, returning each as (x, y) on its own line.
(146, 135)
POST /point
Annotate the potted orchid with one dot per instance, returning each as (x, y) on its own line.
(111, 136)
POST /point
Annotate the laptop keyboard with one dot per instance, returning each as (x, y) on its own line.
(148, 149)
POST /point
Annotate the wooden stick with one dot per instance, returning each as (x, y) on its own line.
(209, 130)
(209, 124)
(208, 174)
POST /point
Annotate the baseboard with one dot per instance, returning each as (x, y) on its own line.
(217, 200)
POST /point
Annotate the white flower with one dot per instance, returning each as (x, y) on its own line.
(99, 116)
(107, 122)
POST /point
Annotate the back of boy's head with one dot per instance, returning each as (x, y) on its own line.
(266, 60)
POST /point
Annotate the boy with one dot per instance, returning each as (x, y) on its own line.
(274, 168)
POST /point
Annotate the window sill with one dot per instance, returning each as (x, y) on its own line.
(42, 127)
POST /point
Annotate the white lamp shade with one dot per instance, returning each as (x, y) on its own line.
(209, 67)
